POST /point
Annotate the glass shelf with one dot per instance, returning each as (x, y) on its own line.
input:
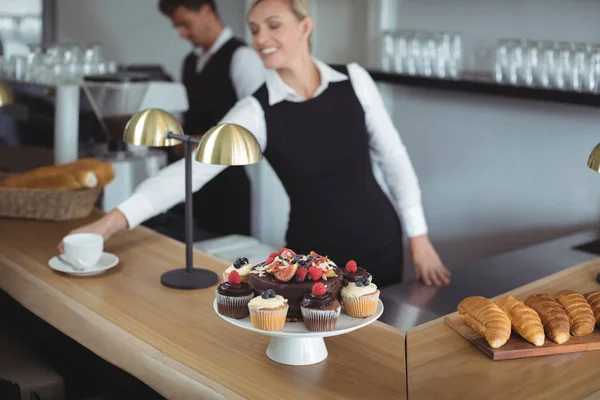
(484, 84)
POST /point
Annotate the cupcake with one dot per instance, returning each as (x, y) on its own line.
(233, 297)
(242, 266)
(268, 311)
(320, 309)
(359, 295)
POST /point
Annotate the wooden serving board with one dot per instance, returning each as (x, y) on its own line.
(517, 347)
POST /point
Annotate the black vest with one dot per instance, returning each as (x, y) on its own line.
(320, 151)
(222, 206)
(211, 93)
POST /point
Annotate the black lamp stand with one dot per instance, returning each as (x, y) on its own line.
(188, 277)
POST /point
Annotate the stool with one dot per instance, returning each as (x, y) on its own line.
(21, 368)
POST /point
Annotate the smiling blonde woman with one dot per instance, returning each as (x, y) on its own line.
(320, 127)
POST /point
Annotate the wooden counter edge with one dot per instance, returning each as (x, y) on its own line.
(168, 377)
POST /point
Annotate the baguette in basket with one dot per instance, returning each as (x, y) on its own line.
(81, 174)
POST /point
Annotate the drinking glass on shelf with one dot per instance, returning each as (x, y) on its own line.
(401, 51)
(387, 57)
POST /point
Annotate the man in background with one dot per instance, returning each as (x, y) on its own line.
(219, 71)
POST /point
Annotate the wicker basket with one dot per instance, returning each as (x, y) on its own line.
(45, 204)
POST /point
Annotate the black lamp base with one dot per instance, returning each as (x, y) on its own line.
(182, 279)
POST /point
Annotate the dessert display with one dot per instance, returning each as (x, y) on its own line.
(241, 266)
(268, 311)
(487, 319)
(359, 295)
(581, 316)
(555, 319)
(233, 297)
(320, 309)
(296, 302)
(593, 299)
(292, 275)
(524, 320)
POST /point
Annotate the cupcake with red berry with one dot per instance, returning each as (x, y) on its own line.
(359, 295)
(320, 309)
(268, 311)
(242, 266)
(233, 297)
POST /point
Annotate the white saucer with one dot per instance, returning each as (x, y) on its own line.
(296, 345)
(106, 262)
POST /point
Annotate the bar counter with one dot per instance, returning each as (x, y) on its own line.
(443, 365)
(172, 340)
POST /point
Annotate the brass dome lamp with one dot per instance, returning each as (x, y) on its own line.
(594, 159)
(225, 144)
(6, 95)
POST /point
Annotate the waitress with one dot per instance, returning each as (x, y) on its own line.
(320, 127)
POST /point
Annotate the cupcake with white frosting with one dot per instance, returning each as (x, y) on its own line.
(360, 296)
(242, 266)
(268, 311)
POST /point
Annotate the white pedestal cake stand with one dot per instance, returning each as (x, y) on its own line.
(296, 345)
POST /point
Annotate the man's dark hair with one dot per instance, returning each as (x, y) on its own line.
(168, 7)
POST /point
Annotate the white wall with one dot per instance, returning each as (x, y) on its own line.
(21, 7)
(133, 31)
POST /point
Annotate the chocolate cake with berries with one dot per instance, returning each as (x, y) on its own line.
(292, 275)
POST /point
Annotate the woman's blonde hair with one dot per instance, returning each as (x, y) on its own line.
(300, 9)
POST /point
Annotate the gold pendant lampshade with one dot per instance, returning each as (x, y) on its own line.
(6, 95)
(594, 160)
(150, 128)
(228, 144)
(225, 144)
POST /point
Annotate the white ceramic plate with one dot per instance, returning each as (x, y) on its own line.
(345, 324)
(106, 262)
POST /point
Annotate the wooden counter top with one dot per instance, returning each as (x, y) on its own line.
(173, 340)
(443, 365)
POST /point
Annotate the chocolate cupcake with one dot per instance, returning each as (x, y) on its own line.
(320, 309)
(233, 297)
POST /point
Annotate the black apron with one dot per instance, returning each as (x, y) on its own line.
(222, 206)
(320, 151)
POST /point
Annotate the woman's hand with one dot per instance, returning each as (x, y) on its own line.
(106, 226)
(428, 266)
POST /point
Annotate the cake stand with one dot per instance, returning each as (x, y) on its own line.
(296, 345)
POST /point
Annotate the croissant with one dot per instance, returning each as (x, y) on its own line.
(579, 311)
(593, 299)
(486, 318)
(553, 316)
(525, 321)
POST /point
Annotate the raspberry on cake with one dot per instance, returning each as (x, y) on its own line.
(291, 275)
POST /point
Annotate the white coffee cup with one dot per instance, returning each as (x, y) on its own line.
(83, 249)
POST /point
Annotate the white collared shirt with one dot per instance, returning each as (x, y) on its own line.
(167, 188)
(247, 69)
